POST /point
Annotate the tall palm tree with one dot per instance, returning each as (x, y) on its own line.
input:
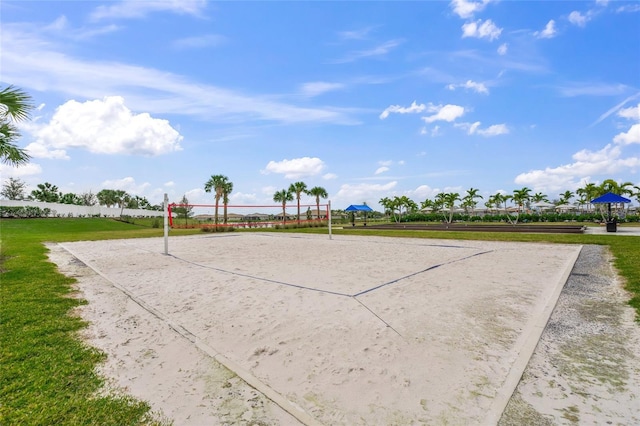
(520, 197)
(283, 196)
(227, 188)
(298, 188)
(216, 183)
(16, 106)
(318, 192)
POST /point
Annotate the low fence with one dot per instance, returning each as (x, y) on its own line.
(71, 210)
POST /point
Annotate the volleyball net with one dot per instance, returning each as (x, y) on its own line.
(247, 216)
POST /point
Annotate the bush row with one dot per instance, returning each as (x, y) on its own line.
(524, 217)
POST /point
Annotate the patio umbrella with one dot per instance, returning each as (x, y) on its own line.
(610, 198)
(353, 208)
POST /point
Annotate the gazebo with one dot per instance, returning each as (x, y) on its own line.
(610, 198)
(353, 208)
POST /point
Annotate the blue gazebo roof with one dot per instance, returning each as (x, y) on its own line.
(358, 208)
(610, 197)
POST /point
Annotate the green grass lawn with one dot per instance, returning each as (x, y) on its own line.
(47, 374)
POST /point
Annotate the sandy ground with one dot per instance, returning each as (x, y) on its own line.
(300, 329)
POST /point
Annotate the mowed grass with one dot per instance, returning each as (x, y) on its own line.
(47, 374)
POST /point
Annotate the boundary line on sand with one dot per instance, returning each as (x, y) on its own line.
(530, 338)
(293, 409)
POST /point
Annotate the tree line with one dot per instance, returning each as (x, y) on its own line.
(14, 189)
(521, 199)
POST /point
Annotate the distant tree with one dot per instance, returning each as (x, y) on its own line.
(283, 196)
(15, 105)
(88, 198)
(71, 198)
(566, 196)
(226, 190)
(539, 197)
(318, 192)
(469, 200)
(184, 210)
(13, 189)
(107, 197)
(46, 193)
(216, 183)
(298, 188)
(449, 201)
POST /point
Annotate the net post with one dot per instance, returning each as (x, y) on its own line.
(329, 217)
(165, 209)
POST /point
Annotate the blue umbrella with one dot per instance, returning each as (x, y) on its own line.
(353, 208)
(610, 198)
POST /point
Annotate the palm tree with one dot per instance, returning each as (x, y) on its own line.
(227, 188)
(449, 200)
(16, 106)
(587, 193)
(282, 197)
(387, 204)
(499, 198)
(521, 197)
(566, 196)
(469, 199)
(217, 184)
(298, 188)
(318, 192)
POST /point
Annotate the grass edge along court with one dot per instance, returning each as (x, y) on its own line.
(48, 373)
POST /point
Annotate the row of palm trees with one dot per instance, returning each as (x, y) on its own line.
(222, 187)
(521, 198)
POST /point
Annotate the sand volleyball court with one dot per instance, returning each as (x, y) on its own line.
(269, 328)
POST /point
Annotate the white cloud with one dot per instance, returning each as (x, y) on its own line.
(479, 29)
(444, 113)
(360, 34)
(296, 168)
(158, 92)
(29, 169)
(198, 42)
(244, 198)
(127, 184)
(138, 9)
(632, 113)
(604, 162)
(380, 50)
(329, 176)
(466, 9)
(493, 130)
(577, 18)
(632, 136)
(502, 50)
(318, 88)
(107, 127)
(39, 150)
(471, 85)
(414, 108)
(381, 170)
(549, 30)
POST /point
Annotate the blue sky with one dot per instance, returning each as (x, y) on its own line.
(366, 99)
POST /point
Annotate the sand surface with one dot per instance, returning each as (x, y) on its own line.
(299, 329)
